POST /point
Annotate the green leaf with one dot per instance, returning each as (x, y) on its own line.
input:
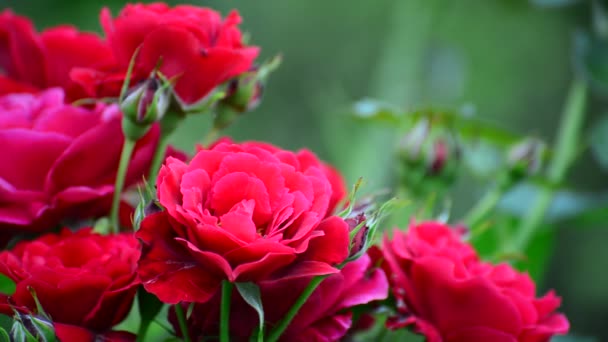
(4, 335)
(251, 294)
(591, 59)
(566, 203)
(377, 111)
(554, 3)
(7, 285)
(598, 139)
(149, 306)
(574, 338)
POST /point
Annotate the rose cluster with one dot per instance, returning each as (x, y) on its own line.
(246, 215)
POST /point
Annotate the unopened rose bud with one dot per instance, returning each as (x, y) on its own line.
(145, 104)
(358, 240)
(32, 328)
(243, 93)
(429, 158)
(525, 158)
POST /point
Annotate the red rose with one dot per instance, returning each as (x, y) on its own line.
(444, 290)
(241, 213)
(326, 316)
(44, 60)
(81, 279)
(69, 333)
(303, 160)
(60, 160)
(191, 43)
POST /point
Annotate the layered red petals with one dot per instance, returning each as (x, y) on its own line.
(190, 44)
(448, 294)
(42, 60)
(63, 160)
(240, 213)
(92, 275)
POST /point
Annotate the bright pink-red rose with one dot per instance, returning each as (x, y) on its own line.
(81, 279)
(238, 213)
(305, 159)
(448, 294)
(191, 43)
(60, 161)
(40, 61)
(326, 316)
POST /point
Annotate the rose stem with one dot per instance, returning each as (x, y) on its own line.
(276, 332)
(125, 157)
(159, 154)
(565, 151)
(181, 319)
(225, 311)
(487, 203)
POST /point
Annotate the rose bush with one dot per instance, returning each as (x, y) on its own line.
(33, 61)
(326, 315)
(60, 160)
(444, 290)
(84, 281)
(239, 213)
(190, 43)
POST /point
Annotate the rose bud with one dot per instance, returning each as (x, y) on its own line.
(145, 104)
(429, 159)
(525, 158)
(357, 241)
(445, 292)
(243, 93)
(239, 212)
(32, 328)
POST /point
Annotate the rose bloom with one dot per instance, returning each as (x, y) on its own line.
(239, 213)
(326, 315)
(33, 61)
(84, 281)
(60, 161)
(446, 293)
(190, 43)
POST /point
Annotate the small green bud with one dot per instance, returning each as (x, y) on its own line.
(525, 158)
(32, 328)
(145, 104)
(429, 159)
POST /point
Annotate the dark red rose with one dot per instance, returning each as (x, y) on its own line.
(448, 294)
(81, 279)
(241, 213)
(191, 43)
(69, 333)
(60, 161)
(45, 60)
(326, 316)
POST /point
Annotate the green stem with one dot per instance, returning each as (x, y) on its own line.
(565, 150)
(225, 311)
(489, 201)
(181, 319)
(276, 332)
(159, 156)
(143, 330)
(125, 157)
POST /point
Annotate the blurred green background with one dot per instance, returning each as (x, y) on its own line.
(507, 61)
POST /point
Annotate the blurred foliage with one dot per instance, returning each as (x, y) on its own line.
(503, 65)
